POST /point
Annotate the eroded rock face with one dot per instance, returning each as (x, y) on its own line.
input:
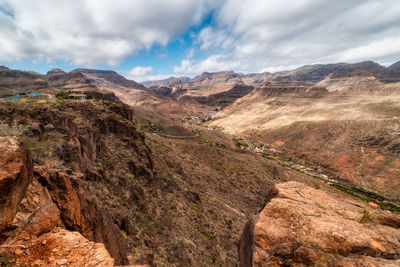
(61, 247)
(81, 211)
(15, 176)
(37, 214)
(305, 226)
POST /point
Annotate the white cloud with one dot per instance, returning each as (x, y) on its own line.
(90, 32)
(140, 71)
(279, 34)
(213, 63)
(211, 38)
(248, 36)
(141, 74)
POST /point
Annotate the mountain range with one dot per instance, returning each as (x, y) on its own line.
(294, 168)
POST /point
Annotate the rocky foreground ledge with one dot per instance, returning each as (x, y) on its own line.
(31, 230)
(303, 226)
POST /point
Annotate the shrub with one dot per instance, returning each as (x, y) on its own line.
(367, 217)
(124, 235)
(7, 259)
(205, 233)
(12, 130)
(62, 95)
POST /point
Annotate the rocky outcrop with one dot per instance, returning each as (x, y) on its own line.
(303, 226)
(61, 247)
(15, 176)
(83, 212)
(37, 214)
(32, 208)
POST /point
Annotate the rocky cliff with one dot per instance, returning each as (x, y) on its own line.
(75, 149)
(303, 226)
(225, 98)
(15, 176)
(30, 215)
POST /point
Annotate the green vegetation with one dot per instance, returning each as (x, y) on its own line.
(63, 95)
(367, 217)
(7, 259)
(101, 126)
(173, 207)
(107, 163)
(105, 192)
(205, 233)
(390, 207)
(213, 258)
(14, 129)
(124, 235)
(367, 196)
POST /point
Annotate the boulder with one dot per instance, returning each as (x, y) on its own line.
(15, 176)
(37, 214)
(60, 247)
(303, 226)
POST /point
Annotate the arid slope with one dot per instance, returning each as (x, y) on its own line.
(353, 131)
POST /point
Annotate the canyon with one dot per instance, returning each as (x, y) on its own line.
(294, 168)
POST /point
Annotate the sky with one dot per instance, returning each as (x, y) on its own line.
(156, 39)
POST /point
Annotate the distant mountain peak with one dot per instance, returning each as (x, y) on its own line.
(395, 66)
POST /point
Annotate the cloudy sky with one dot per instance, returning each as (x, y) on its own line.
(154, 39)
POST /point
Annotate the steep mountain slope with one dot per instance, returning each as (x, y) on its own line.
(351, 132)
(224, 98)
(133, 93)
(393, 73)
(214, 89)
(218, 81)
(61, 80)
(14, 81)
(173, 201)
(108, 76)
(312, 74)
(357, 79)
(157, 186)
(206, 87)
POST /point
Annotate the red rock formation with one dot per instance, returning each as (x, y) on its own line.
(304, 226)
(83, 212)
(32, 208)
(15, 176)
(61, 247)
